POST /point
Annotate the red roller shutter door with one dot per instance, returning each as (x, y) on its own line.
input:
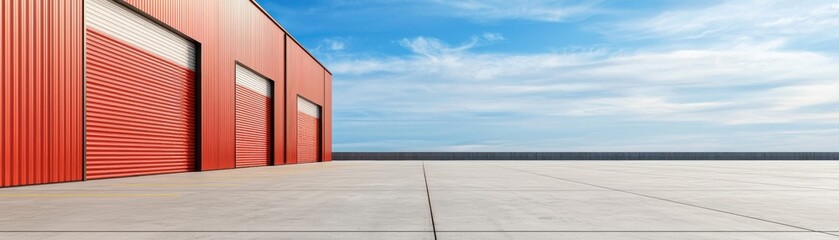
(254, 117)
(308, 131)
(140, 95)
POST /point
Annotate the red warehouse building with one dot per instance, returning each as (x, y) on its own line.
(111, 88)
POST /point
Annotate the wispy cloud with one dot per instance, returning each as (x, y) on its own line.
(535, 10)
(731, 75)
(743, 20)
(398, 13)
(493, 36)
(433, 48)
(729, 85)
(682, 85)
(334, 44)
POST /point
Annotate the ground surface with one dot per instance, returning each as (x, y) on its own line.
(469, 200)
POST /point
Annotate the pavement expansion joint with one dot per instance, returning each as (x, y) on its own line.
(672, 201)
(428, 194)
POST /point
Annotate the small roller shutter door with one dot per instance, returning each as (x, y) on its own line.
(140, 94)
(308, 131)
(254, 117)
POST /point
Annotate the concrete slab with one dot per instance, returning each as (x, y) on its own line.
(817, 210)
(626, 181)
(285, 198)
(797, 174)
(224, 235)
(636, 236)
(458, 176)
(578, 211)
(470, 200)
(215, 211)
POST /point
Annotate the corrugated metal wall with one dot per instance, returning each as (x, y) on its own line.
(42, 139)
(41, 98)
(239, 32)
(305, 78)
(327, 117)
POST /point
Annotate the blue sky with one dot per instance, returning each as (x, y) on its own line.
(534, 75)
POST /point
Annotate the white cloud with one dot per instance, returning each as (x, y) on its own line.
(493, 36)
(535, 10)
(743, 20)
(334, 44)
(717, 76)
(725, 86)
(432, 47)
(798, 96)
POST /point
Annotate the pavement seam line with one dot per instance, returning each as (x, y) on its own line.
(672, 201)
(766, 175)
(713, 179)
(615, 231)
(214, 231)
(428, 196)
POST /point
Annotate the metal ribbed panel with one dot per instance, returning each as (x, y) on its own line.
(228, 31)
(117, 21)
(140, 107)
(253, 128)
(42, 95)
(40, 92)
(305, 81)
(327, 118)
(307, 107)
(140, 111)
(305, 76)
(254, 117)
(253, 81)
(308, 138)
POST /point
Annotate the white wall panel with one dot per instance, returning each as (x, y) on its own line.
(253, 81)
(307, 107)
(120, 22)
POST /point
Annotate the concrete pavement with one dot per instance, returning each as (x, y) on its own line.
(468, 200)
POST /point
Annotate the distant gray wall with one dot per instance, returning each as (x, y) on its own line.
(585, 155)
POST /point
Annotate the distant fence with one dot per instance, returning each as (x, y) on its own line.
(585, 155)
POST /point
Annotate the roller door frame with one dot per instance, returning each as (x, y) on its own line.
(273, 89)
(196, 66)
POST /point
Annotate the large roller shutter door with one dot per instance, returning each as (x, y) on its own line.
(254, 117)
(140, 97)
(308, 131)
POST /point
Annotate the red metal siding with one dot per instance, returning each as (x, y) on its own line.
(327, 118)
(305, 78)
(308, 138)
(140, 111)
(305, 75)
(41, 102)
(41, 139)
(253, 128)
(279, 139)
(228, 31)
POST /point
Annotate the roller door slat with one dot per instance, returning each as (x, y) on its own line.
(141, 95)
(254, 110)
(308, 131)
